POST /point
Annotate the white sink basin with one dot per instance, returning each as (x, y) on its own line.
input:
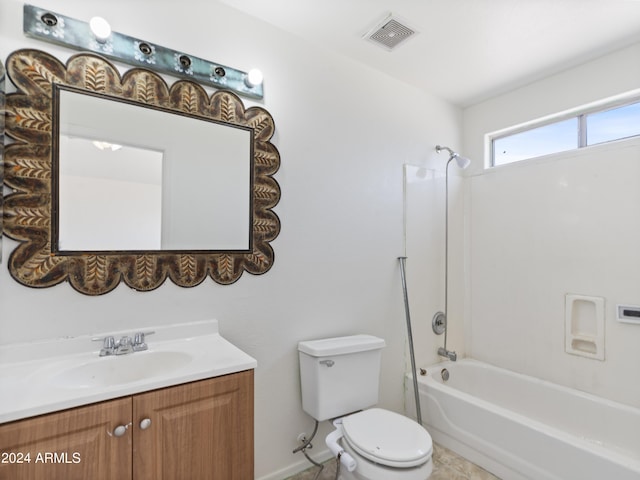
(120, 369)
(62, 373)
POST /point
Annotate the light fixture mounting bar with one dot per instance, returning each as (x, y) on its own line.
(59, 29)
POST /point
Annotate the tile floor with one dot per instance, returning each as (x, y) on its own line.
(446, 466)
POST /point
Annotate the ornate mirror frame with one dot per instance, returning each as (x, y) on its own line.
(2, 85)
(30, 122)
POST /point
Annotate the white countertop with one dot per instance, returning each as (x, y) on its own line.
(47, 376)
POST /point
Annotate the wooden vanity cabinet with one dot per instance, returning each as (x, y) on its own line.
(69, 445)
(197, 431)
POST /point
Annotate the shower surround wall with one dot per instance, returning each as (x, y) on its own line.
(336, 270)
(425, 246)
(564, 224)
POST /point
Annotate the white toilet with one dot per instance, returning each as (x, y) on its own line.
(340, 376)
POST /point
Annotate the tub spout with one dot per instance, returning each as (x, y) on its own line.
(447, 353)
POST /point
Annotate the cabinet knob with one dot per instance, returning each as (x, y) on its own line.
(120, 430)
(145, 423)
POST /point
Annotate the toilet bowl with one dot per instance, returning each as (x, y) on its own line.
(339, 376)
(382, 445)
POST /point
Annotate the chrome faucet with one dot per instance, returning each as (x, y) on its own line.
(451, 355)
(123, 346)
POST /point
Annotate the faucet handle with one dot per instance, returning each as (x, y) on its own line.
(139, 336)
(108, 345)
(138, 341)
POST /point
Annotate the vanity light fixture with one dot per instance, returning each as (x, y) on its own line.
(96, 36)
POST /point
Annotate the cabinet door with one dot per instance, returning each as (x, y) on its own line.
(198, 431)
(74, 444)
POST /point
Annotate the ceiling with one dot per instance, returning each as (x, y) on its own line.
(466, 50)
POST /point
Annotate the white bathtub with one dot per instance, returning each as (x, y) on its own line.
(519, 427)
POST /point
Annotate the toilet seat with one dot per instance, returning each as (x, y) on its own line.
(387, 438)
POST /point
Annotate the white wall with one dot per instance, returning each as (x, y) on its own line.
(563, 224)
(344, 132)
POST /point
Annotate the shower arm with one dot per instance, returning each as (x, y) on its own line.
(439, 148)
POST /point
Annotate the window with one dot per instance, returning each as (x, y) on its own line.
(538, 141)
(613, 124)
(580, 130)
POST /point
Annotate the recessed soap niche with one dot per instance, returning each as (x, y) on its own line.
(584, 326)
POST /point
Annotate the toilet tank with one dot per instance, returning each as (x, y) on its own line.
(339, 375)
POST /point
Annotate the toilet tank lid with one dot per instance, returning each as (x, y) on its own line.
(340, 345)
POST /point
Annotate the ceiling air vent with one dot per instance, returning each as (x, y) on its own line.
(389, 33)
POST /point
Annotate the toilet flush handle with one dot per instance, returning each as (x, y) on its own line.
(328, 363)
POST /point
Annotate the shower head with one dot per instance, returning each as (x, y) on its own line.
(463, 162)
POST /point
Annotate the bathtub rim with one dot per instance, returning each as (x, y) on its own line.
(593, 446)
(557, 386)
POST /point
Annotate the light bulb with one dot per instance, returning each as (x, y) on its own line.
(254, 78)
(106, 146)
(100, 28)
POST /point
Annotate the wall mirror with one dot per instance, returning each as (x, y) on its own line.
(123, 178)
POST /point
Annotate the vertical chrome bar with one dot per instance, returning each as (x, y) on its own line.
(410, 337)
(446, 252)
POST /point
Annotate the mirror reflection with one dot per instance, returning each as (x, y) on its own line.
(132, 178)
